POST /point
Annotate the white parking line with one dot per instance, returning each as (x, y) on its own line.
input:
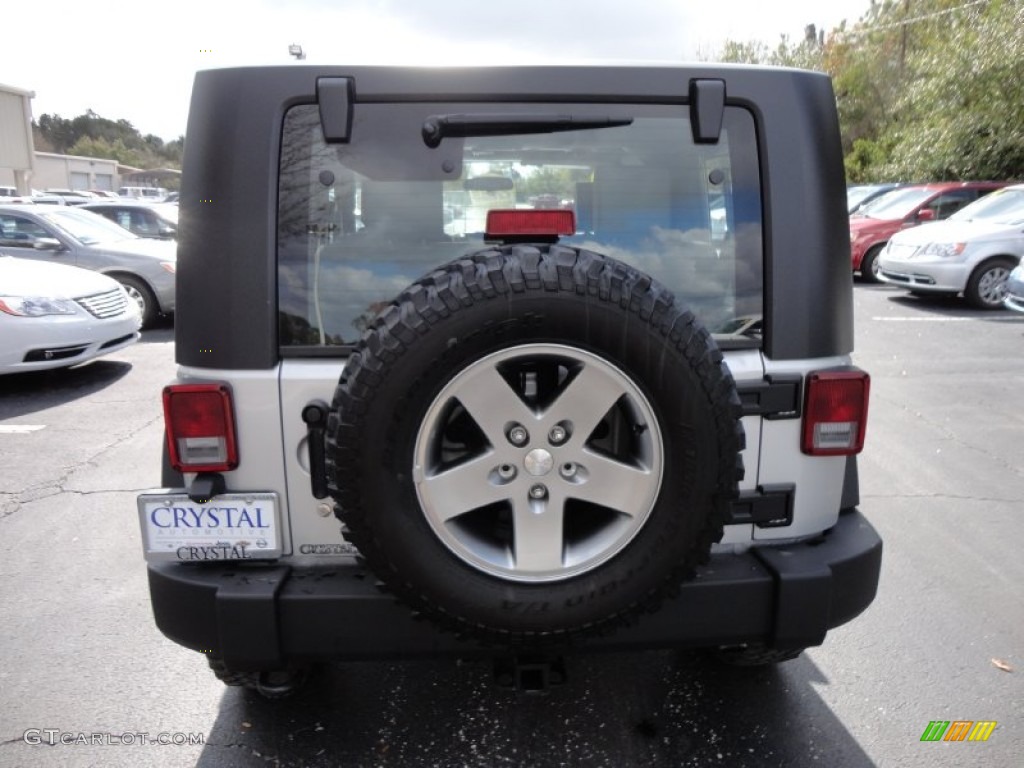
(20, 429)
(949, 319)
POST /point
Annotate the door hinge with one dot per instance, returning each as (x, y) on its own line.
(777, 396)
(770, 506)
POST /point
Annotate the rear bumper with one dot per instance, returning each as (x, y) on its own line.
(262, 617)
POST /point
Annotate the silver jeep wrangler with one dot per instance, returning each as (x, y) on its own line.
(511, 361)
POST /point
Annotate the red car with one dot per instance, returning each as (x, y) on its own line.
(872, 226)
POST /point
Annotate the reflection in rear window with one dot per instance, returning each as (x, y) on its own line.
(359, 222)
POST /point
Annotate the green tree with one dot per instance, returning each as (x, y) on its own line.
(560, 182)
(115, 150)
(925, 88)
(91, 135)
(962, 112)
(54, 132)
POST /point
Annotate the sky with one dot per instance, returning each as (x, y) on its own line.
(135, 59)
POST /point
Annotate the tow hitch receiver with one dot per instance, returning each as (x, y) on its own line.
(529, 673)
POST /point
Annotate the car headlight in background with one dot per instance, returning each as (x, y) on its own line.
(943, 250)
(36, 306)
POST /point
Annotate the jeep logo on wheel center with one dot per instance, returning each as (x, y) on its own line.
(551, 343)
(538, 462)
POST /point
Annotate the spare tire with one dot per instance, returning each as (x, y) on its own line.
(534, 443)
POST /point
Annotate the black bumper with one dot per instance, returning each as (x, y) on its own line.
(260, 617)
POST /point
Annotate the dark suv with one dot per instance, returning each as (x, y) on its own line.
(509, 361)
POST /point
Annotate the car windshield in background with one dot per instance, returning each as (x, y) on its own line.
(641, 190)
(896, 204)
(1004, 206)
(857, 194)
(87, 228)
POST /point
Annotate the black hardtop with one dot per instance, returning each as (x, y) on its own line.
(227, 277)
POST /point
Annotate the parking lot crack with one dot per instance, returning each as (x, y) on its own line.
(953, 437)
(11, 502)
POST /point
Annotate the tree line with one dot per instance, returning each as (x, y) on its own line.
(926, 89)
(90, 135)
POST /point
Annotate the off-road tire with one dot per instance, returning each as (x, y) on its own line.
(510, 302)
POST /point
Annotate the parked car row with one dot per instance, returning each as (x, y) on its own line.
(972, 240)
(9, 195)
(907, 206)
(971, 253)
(72, 236)
(75, 285)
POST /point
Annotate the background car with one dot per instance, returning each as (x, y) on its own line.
(54, 316)
(1015, 288)
(859, 195)
(152, 194)
(42, 198)
(972, 252)
(154, 220)
(80, 238)
(873, 225)
(72, 196)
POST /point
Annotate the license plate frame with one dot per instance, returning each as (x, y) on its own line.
(232, 527)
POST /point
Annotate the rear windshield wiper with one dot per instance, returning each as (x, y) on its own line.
(437, 127)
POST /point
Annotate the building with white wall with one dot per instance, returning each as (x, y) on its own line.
(16, 148)
(54, 171)
(25, 169)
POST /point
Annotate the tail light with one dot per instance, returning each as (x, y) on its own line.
(538, 224)
(835, 413)
(200, 424)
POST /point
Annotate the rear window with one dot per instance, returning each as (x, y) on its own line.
(359, 222)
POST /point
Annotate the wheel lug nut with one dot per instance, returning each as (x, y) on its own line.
(538, 491)
(567, 470)
(506, 471)
(557, 435)
(517, 435)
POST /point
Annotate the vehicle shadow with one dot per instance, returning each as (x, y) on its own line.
(25, 393)
(161, 330)
(951, 306)
(623, 709)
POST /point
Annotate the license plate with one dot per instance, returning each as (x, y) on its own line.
(232, 526)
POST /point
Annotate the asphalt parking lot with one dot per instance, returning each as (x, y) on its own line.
(942, 478)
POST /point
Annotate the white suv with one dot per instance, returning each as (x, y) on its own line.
(548, 357)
